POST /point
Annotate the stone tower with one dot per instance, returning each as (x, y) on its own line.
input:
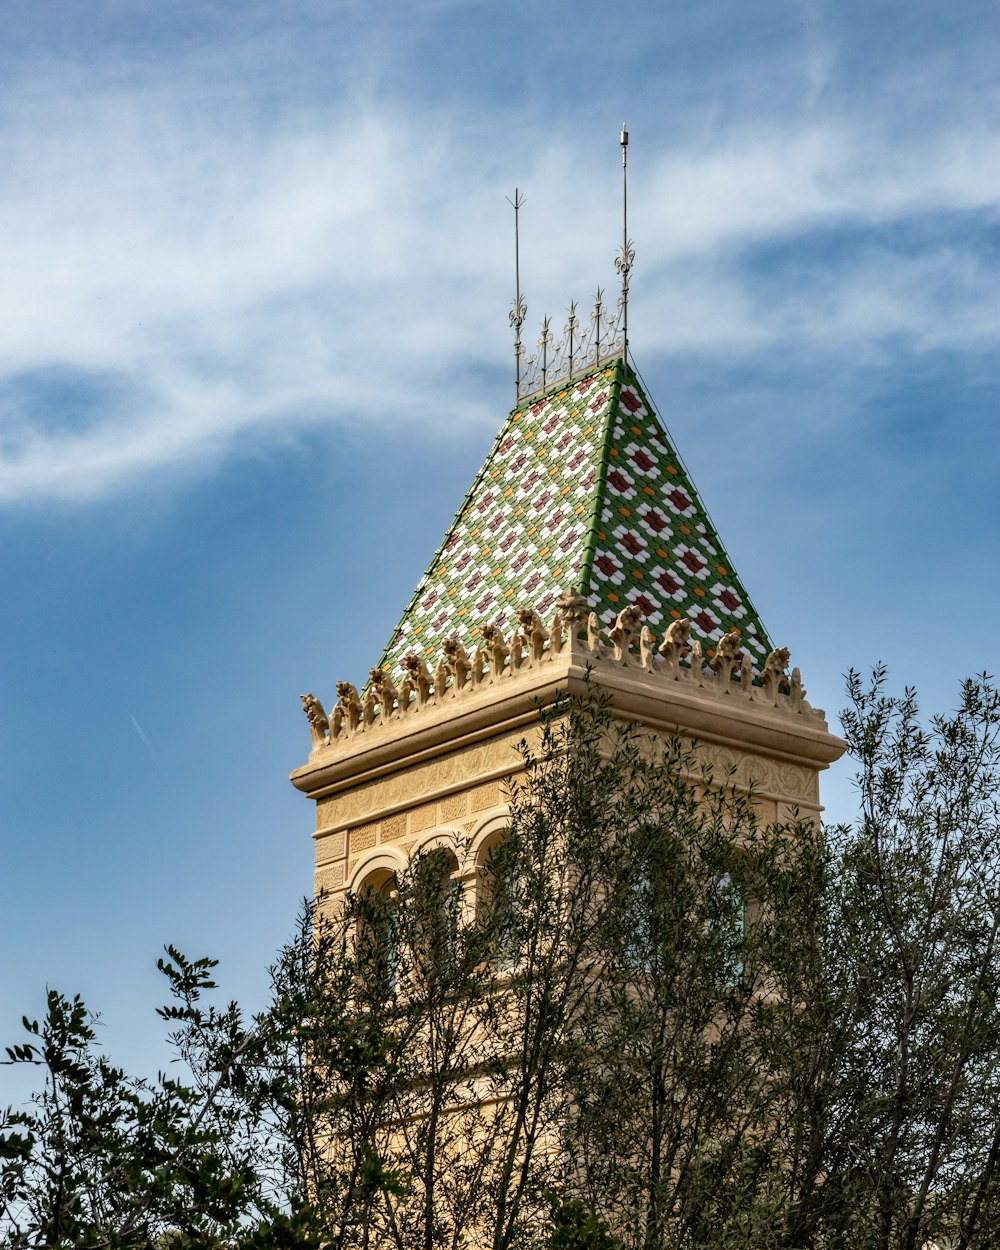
(581, 545)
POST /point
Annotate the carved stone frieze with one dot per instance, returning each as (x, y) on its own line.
(777, 778)
(413, 786)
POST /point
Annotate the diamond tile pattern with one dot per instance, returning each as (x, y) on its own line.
(581, 489)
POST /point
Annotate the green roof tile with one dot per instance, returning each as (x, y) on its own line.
(582, 489)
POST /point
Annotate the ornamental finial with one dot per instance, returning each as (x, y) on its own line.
(626, 257)
(519, 309)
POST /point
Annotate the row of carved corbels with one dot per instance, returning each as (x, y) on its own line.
(574, 633)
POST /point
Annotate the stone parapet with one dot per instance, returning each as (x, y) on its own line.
(674, 686)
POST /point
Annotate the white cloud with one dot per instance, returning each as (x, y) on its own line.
(235, 283)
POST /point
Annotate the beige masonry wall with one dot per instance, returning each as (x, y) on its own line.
(455, 790)
(452, 791)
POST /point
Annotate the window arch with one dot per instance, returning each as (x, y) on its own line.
(436, 886)
(499, 894)
(374, 886)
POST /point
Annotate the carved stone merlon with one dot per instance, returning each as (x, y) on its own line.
(368, 705)
(594, 644)
(571, 612)
(727, 656)
(419, 676)
(676, 643)
(774, 673)
(534, 632)
(405, 695)
(458, 662)
(349, 705)
(647, 643)
(478, 666)
(517, 644)
(623, 631)
(319, 724)
(387, 693)
(572, 608)
(496, 646)
(746, 677)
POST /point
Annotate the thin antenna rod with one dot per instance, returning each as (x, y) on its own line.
(626, 258)
(520, 309)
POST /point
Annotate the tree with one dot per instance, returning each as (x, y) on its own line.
(658, 1024)
(102, 1159)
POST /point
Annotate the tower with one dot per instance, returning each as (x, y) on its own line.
(581, 547)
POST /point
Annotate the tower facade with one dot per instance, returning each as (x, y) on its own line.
(581, 556)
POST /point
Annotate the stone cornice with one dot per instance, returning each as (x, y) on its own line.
(502, 686)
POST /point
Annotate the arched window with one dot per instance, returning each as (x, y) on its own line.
(376, 907)
(437, 896)
(500, 900)
(727, 920)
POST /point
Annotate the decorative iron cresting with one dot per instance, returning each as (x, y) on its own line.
(584, 346)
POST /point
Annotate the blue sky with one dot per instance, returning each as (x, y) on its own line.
(257, 262)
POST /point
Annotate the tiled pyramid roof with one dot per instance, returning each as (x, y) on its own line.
(582, 489)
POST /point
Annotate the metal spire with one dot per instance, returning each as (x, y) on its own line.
(626, 257)
(520, 309)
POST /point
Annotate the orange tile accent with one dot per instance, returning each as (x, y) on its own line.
(612, 596)
(649, 490)
(671, 469)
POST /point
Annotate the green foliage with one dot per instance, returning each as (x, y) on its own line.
(660, 1024)
(574, 1227)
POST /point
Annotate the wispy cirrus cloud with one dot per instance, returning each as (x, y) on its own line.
(173, 287)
